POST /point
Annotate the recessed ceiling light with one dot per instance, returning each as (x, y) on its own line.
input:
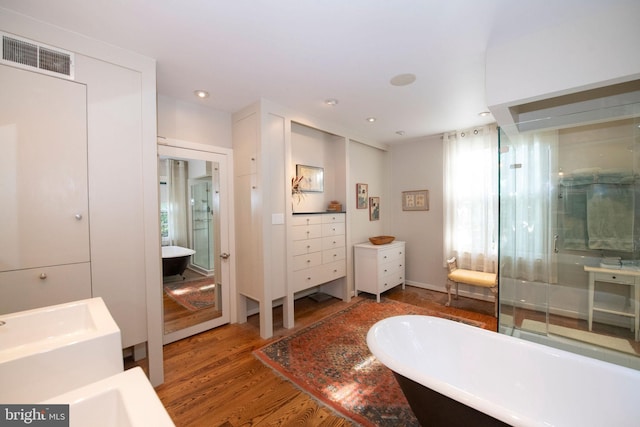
(484, 113)
(403, 79)
(201, 94)
(331, 101)
(371, 119)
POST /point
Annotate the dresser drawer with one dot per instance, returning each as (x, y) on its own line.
(332, 218)
(390, 254)
(307, 246)
(305, 279)
(302, 232)
(332, 242)
(332, 255)
(333, 229)
(306, 219)
(301, 262)
(614, 278)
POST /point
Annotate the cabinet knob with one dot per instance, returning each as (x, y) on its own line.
(78, 216)
(43, 276)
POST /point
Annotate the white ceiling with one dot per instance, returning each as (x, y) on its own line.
(297, 53)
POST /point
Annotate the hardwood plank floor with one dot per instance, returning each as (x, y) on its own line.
(212, 379)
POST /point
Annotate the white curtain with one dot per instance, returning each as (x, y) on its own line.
(528, 206)
(177, 182)
(471, 198)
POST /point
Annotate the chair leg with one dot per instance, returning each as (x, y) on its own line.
(448, 303)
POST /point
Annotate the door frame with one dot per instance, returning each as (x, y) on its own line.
(224, 157)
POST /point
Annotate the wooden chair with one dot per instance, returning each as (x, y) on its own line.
(470, 277)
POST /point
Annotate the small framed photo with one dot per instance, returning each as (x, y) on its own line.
(417, 200)
(362, 196)
(374, 208)
(312, 180)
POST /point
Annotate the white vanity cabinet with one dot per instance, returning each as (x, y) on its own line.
(319, 254)
(44, 227)
(379, 268)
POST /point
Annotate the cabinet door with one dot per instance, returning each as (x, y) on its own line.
(43, 171)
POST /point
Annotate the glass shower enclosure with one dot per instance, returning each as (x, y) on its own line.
(202, 225)
(569, 255)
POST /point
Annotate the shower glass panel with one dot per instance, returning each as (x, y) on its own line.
(202, 224)
(570, 229)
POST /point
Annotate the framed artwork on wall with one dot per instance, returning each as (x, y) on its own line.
(374, 208)
(417, 200)
(362, 196)
(311, 178)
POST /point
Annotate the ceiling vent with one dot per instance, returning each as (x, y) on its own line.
(35, 56)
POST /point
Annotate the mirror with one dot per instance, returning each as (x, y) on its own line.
(190, 230)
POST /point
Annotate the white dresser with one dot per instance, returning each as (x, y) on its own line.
(378, 268)
(319, 253)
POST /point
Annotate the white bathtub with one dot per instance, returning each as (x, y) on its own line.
(518, 382)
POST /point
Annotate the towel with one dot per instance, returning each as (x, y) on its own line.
(610, 216)
(574, 218)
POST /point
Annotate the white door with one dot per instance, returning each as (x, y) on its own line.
(201, 315)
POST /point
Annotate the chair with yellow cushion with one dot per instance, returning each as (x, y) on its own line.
(470, 277)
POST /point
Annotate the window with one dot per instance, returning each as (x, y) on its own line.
(471, 198)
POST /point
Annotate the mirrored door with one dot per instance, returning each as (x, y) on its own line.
(195, 240)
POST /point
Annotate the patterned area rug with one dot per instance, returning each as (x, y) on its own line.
(194, 295)
(331, 361)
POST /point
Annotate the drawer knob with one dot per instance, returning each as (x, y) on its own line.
(613, 277)
(43, 276)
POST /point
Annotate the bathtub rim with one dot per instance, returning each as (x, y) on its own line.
(497, 411)
(176, 252)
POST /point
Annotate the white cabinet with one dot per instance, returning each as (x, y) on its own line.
(44, 220)
(379, 268)
(319, 254)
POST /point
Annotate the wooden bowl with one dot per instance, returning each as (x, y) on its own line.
(381, 240)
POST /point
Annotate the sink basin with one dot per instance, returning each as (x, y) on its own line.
(51, 350)
(126, 399)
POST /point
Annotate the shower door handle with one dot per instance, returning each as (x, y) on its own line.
(555, 243)
(224, 255)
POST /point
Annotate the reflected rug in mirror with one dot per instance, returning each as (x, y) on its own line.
(331, 361)
(193, 295)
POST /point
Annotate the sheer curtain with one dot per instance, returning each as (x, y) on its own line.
(471, 198)
(528, 207)
(177, 181)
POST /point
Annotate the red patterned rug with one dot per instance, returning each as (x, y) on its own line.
(331, 361)
(194, 295)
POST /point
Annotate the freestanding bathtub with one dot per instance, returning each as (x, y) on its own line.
(459, 375)
(175, 260)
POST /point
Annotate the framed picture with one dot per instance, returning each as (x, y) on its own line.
(362, 196)
(374, 208)
(417, 200)
(312, 180)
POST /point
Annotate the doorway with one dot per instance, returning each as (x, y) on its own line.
(195, 219)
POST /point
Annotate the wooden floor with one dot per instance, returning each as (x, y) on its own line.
(177, 317)
(212, 379)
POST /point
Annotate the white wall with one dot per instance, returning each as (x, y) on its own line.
(192, 122)
(417, 165)
(369, 165)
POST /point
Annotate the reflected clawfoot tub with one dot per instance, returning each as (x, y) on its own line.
(175, 260)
